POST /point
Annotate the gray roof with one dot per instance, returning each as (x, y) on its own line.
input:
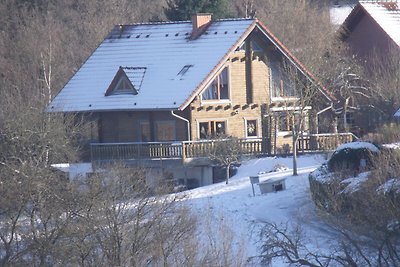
(387, 15)
(162, 50)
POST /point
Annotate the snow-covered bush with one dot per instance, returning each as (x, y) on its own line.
(370, 196)
(388, 133)
(353, 156)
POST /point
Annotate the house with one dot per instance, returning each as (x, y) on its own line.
(372, 27)
(163, 90)
(372, 33)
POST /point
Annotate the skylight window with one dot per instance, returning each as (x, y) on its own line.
(183, 71)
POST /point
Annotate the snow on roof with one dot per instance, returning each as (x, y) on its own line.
(339, 13)
(386, 15)
(175, 67)
(358, 145)
(163, 49)
(135, 76)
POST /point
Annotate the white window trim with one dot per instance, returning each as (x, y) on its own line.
(258, 124)
(284, 99)
(218, 101)
(273, 109)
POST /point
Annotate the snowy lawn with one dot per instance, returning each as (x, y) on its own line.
(235, 206)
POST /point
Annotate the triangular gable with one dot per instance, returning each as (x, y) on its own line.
(127, 80)
(386, 15)
(279, 46)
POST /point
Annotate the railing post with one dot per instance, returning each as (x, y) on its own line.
(183, 152)
(91, 152)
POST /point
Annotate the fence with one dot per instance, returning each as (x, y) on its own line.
(198, 149)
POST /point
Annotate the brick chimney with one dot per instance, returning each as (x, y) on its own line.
(200, 23)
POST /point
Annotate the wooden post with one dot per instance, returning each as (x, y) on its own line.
(183, 152)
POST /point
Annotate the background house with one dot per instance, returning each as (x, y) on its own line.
(372, 34)
(149, 87)
(372, 27)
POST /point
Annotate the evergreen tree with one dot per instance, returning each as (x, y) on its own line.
(184, 9)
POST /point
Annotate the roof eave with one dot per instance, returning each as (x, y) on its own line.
(111, 110)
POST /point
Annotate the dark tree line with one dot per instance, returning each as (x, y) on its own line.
(44, 218)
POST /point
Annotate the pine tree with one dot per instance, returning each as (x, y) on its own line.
(183, 9)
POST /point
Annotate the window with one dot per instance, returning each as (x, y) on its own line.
(184, 70)
(123, 86)
(219, 88)
(251, 128)
(349, 118)
(145, 131)
(285, 123)
(211, 129)
(165, 131)
(254, 45)
(281, 84)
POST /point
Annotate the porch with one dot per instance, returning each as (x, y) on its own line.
(185, 150)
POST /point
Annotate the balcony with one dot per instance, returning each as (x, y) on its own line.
(200, 149)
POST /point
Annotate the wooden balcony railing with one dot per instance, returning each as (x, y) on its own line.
(198, 149)
(321, 142)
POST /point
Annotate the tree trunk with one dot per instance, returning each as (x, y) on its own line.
(227, 173)
(295, 137)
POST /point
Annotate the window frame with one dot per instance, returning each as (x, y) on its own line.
(218, 100)
(257, 121)
(124, 79)
(272, 87)
(183, 71)
(306, 122)
(209, 122)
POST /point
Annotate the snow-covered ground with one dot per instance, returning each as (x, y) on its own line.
(235, 206)
(339, 14)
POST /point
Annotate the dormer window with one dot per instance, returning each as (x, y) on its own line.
(128, 80)
(124, 86)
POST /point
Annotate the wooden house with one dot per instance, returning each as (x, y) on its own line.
(164, 90)
(372, 33)
(372, 28)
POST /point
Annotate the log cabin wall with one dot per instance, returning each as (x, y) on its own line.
(236, 112)
(143, 126)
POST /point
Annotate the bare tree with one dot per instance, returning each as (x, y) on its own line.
(225, 151)
(296, 108)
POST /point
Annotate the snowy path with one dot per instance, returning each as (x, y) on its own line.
(235, 205)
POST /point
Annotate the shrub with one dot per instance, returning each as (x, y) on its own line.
(348, 157)
(388, 133)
